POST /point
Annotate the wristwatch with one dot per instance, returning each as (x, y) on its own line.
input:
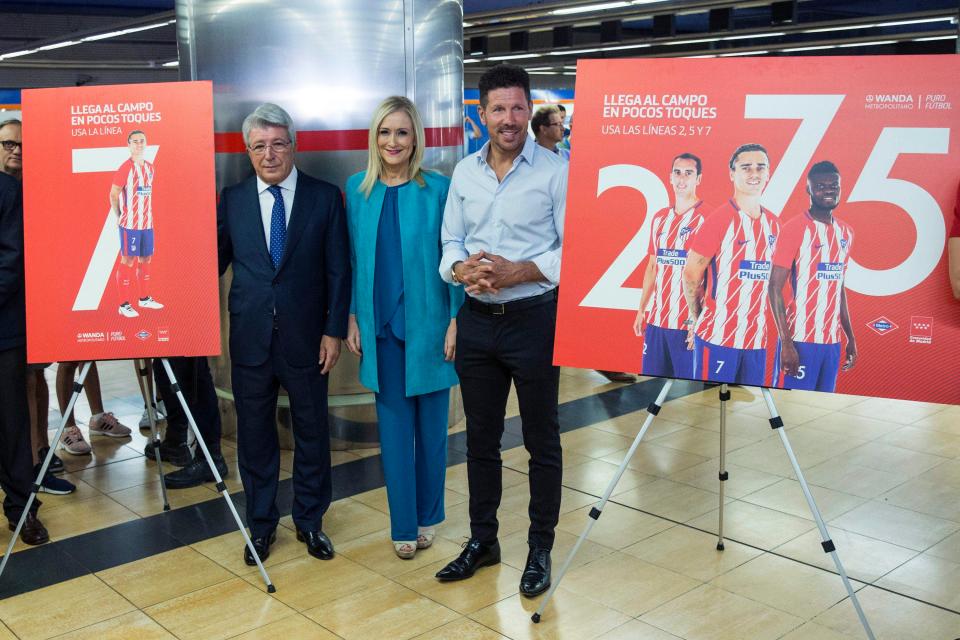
(453, 272)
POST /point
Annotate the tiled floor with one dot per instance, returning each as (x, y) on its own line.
(885, 474)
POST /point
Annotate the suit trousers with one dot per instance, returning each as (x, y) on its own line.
(16, 459)
(193, 375)
(255, 390)
(413, 444)
(492, 352)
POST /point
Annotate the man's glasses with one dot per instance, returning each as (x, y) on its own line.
(10, 145)
(277, 147)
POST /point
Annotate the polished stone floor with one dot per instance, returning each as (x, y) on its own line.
(885, 474)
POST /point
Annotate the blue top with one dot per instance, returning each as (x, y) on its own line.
(430, 301)
(387, 278)
(519, 218)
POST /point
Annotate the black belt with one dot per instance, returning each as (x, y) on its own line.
(503, 308)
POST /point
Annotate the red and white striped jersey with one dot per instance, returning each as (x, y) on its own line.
(741, 248)
(669, 234)
(136, 201)
(816, 253)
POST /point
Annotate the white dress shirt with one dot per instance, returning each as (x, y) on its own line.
(288, 189)
(519, 218)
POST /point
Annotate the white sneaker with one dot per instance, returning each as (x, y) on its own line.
(149, 303)
(159, 413)
(127, 311)
(73, 443)
(106, 424)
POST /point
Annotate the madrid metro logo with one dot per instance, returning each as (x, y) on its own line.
(883, 325)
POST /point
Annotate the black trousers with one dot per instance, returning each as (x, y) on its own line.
(255, 392)
(193, 375)
(16, 460)
(492, 352)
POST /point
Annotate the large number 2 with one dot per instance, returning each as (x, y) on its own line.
(609, 292)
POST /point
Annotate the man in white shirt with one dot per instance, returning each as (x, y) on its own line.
(501, 236)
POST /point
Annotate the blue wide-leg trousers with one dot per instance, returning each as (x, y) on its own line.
(413, 444)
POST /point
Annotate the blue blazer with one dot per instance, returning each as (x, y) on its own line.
(310, 289)
(429, 302)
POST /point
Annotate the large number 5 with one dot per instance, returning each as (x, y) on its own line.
(609, 292)
(875, 185)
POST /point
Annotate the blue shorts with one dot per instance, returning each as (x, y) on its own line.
(136, 242)
(819, 365)
(726, 364)
(665, 353)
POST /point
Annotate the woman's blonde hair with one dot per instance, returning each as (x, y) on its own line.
(374, 161)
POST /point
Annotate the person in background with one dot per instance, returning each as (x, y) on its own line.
(547, 125)
(38, 393)
(101, 423)
(403, 317)
(16, 477)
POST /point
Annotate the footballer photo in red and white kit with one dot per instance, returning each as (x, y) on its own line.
(663, 319)
(131, 203)
(812, 255)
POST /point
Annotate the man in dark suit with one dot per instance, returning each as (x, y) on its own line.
(16, 464)
(285, 234)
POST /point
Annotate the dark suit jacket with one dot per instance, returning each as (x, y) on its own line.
(12, 314)
(310, 289)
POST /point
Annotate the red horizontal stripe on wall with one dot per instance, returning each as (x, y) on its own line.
(342, 140)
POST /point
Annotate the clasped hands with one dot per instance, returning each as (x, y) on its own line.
(485, 272)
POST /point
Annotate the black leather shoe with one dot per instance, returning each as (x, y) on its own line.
(177, 454)
(196, 473)
(536, 574)
(318, 544)
(475, 554)
(262, 545)
(33, 532)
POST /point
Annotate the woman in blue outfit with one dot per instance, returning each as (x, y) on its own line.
(402, 317)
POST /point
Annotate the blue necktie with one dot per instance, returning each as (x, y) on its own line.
(278, 226)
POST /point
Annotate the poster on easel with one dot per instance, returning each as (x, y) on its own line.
(775, 222)
(120, 222)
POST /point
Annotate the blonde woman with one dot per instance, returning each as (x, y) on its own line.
(402, 317)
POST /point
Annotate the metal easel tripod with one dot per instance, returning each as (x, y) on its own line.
(221, 486)
(776, 422)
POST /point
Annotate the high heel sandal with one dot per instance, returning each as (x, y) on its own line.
(425, 536)
(405, 549)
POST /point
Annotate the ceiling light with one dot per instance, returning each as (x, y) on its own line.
(775, 34)
(931, 39)
(123, 32)
(626, 46)
(867, 44)
(470, 61)
(467, 24)
(898, 23)
(603, 6)
(172, 63)
(573, 52)
(815, 48)
(845, 27)
(516, 56)
(742, 53)
(696, 41)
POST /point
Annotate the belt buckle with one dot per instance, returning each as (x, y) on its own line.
(497, 309)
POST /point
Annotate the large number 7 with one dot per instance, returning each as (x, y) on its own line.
(97, 275)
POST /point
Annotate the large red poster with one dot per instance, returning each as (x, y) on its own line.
(120, 222)
(788, 215)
